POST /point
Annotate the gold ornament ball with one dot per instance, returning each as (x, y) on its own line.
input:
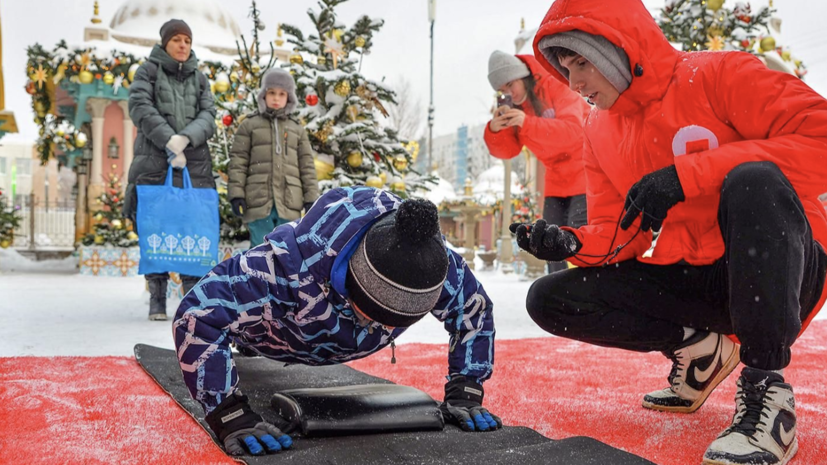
(354, 159)
(4, 244)
(60, 133)
(117, 224)
(384, 177)
(98, 217)
(359, 41)
(222, 86)
(324, 170)
(767, 44)
(233, 77)
(714, 5)
(321, 60)
(342, 88)
(352, 113)
(38, 106)
(374, 181)
(398, 186)
(797, 63)
(79, 143)
(132, 236)
(255, 68)
(786, 55)
(99, 239)
(131, 73)
(337, 34)
(108, 78)
(296, 59)
(86, 77)
(400, 162)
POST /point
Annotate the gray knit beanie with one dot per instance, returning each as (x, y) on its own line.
(504, 68)
(172, 28)
(277, 77)
(609, 59)
(397, 272)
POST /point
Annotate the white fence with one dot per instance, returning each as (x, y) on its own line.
(54, 225)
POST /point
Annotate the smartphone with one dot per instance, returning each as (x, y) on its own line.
(505, 100)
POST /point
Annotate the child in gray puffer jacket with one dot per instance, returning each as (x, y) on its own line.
(272, 176)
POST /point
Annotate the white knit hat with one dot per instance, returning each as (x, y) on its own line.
(504, 68)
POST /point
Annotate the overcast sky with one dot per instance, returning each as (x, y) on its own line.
(466, 32)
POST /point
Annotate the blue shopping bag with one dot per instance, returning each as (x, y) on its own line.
(177, 227)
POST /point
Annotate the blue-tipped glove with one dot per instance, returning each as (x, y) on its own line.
(463, 406)
(243, 431)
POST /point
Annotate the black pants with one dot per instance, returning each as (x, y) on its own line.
(564, 211)
(768, 281)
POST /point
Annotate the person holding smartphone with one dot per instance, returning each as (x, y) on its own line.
(539, 112)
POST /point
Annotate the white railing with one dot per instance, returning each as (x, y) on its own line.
(54, 225)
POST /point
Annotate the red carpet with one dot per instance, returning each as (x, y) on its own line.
(105, 410)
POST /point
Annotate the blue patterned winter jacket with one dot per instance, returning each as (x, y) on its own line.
(286, 300)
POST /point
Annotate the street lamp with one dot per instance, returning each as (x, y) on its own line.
(432, 19)
(114, 148)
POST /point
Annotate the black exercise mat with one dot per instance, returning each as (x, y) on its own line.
(261, 377)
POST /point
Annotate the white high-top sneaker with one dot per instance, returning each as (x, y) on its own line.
(699, 364)
(763, 427)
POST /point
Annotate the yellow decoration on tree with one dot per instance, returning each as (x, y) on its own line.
(337, 34)
(786, 55)
(117, 224)
(40, 75)
(86, 77)
(400, 162)
(4, 244)
(354, 160)
(324, 170)
(352, 113)
(715, 44)
(98, 217)
(132, 236)
(359, 41)
(321, 60)
(383, 176)
(222, 86)
(108, 78)
(99, 239)
(767, 44)
(375, 182)
(398, 186)
(342, 88)
(714, 5)
(296, 59)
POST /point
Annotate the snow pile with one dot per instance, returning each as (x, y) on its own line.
(11, 260)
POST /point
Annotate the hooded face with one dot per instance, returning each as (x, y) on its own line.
(586, 79)
(275, 98)
(179, 47)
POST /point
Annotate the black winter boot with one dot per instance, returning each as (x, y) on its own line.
(157, 298)
(187, 283)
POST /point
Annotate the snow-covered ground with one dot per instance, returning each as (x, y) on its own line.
(48, 309)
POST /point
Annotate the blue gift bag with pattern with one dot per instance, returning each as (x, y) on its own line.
(177, 227)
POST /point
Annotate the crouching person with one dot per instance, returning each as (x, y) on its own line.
(337, 285)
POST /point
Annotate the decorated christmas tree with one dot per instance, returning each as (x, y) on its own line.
(343, 111)
(709, 25)
(9, 219)
(110, 228)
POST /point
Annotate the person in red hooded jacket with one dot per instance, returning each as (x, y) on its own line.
(547, 117)
(726, 159)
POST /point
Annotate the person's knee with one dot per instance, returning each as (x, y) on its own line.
(751, 179)
(542, 301)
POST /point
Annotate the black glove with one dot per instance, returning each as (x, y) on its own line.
(307, 206)
(546, 241)
(239, 206)
(240, 429)
(463, 406)
(653, 196)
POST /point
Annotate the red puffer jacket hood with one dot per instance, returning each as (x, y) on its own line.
(628, 25)
(555, 137)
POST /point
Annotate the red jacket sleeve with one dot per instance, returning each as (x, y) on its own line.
(503, 144)
(552, 138)
(605, 205)
(781, 118)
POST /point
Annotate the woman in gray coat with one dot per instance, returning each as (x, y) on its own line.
(171, 104)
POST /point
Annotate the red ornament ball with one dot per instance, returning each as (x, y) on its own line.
(30, 89)
(227, 120)
(312, 100)
(745, 43)
(376, 156)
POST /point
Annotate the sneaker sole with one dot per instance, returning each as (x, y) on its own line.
(157, 317)
(732, 362)
(784, 460)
